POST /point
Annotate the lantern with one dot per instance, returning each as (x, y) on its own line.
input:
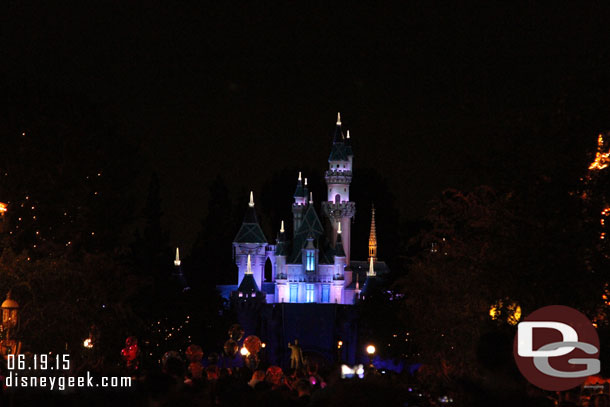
(10, 312)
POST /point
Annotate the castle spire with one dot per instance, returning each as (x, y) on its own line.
(177, 275)
(339, 228)
(251, 204)
(311, 198)
(338, 118)
(249, 266)
(347, 134)
(373, 237)
(282, 227)
(300, 193)
(177, 261)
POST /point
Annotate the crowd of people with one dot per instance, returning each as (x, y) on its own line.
(305, 385)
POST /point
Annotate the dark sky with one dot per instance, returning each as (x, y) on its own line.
(427, 89)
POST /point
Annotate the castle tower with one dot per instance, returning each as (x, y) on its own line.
(373, 237)
(338, 208)
(250, 241)
(299, 205)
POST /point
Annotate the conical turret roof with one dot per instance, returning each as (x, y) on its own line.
(250, 231)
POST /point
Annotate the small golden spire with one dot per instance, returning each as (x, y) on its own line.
(373, 237)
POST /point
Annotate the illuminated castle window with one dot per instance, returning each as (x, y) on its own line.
(309, 291)
(294, 290)
(311, 261)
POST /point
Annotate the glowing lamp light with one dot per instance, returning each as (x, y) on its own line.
(3, 207)
(370, 349)
(510, 311)
(10, 312)
(263, 345)
(244, 351)
(88, 343)
(339, 344)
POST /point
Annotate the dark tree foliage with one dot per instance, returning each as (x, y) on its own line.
(485, 247)
(67, 177)
(210, 262)
(151, 253)
(532, 238)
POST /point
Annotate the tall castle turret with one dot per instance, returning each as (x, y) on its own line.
(250, 242)
(338, 208)
(299, 205)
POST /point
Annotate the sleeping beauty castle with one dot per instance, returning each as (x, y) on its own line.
(313, 262)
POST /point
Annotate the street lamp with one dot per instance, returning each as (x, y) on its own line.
(10, 312)
(339, 351)
(371, 352)
(10, 320)
(244, 351)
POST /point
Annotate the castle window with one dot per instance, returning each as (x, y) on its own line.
(294, 290)
(310, 293)
(311, 261)
(337, 198)
(268, 270)
(326, 293)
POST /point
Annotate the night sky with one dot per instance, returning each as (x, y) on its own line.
(435, 95)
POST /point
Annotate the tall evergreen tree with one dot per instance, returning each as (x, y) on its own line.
(210, 262)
